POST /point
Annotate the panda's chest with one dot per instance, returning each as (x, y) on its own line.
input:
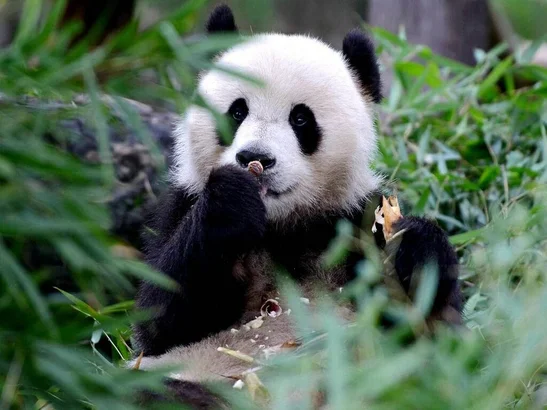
(257, 271)
(260, 271)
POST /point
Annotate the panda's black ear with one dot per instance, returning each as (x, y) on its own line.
(359, 51)
(221, 20)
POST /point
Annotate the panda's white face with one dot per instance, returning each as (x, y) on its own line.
(310, 125)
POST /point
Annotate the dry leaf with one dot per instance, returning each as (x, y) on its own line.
(283, 347)
(387, 215)
(290, 344)
(392, 213)
(256, 389)
(238, 355)
(254, 324)
(138, 362)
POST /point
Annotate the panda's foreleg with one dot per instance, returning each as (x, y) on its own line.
(423, 243)
(199, 252)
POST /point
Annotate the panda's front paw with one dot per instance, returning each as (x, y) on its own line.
(421, 242)
(234, 206)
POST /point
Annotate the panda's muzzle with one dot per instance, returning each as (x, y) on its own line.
(277, 194)
(244, 157)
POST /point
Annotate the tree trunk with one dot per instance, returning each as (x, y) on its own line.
(452, 28)
(140, 173)
(325, 19)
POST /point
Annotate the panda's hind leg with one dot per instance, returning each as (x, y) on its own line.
(421, 243)
(189, 394)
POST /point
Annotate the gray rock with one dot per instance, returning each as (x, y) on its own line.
(140, 179)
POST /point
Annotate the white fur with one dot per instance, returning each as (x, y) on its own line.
(295, 69)
(201, 361)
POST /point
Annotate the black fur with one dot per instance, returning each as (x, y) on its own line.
(196, 242)
(191, 395)
(199, 239)
(425, 242)
(305, 127)
(236, 114)
(238, 111)
(359, 51)
(221, 20)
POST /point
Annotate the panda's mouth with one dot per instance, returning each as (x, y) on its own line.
(267, 191)
(276, 194)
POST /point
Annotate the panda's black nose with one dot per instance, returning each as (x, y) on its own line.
(244, 157)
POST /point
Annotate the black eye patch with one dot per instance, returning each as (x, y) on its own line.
(238, 111)
(236, 114)
(306, 128)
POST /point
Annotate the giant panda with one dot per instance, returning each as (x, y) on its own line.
(220, 231)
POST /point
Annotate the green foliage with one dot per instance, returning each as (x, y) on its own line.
(467, 146)
(464, 145)
(527, 17)
(63, 346)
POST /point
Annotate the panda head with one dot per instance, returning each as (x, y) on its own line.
(310, 123)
